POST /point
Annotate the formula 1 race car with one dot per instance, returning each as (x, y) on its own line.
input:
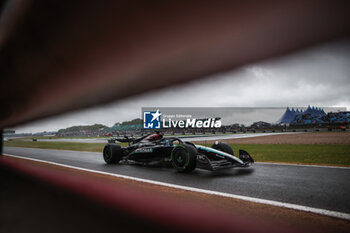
(153, 149)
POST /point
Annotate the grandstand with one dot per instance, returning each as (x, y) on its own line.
(313, 116)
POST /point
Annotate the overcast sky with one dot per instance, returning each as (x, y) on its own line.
(318, 76)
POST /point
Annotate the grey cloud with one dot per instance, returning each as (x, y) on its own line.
(317, 76)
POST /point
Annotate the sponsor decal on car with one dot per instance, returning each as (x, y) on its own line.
(144, 150)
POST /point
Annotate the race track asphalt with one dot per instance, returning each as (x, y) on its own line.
(320, 187)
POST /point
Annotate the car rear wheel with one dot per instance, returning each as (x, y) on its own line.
(184, 158)
(112, 153)
(224, 147)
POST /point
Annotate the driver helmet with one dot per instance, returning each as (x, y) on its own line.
(153, 137)
(159, 135)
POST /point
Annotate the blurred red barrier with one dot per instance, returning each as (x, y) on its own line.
(56, 56)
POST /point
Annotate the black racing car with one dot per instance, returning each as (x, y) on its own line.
(153, 149)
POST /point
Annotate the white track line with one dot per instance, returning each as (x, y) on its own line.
(329, 213)
(303, 165)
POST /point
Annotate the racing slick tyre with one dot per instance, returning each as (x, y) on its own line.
(112, 153)
(224, 147)
(184, 158)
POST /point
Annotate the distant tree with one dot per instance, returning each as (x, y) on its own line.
(83, 127)
(136, 121)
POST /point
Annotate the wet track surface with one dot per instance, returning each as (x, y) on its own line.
(319, 187)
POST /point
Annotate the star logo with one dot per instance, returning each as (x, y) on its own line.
(152, 119)
(156, 115)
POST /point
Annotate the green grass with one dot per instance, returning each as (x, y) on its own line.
(76, 146)
(53, 137)
(298, 153)
(287, 153)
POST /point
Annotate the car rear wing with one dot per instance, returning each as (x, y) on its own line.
(124, 139)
